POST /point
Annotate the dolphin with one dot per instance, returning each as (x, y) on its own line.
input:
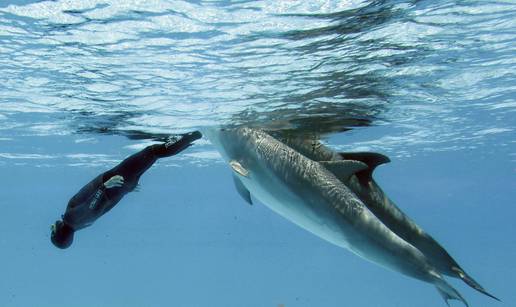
(366, 188)
(308, 194)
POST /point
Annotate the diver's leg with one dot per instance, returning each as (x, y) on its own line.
(176, 145)
(134, 166)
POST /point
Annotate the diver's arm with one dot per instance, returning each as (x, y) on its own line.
(114, 182)
(91, 201)
(85, 194)
(93, 191)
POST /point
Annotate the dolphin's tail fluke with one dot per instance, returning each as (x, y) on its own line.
(472, 283)
(448, 292)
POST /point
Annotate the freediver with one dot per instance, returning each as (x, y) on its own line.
(106, 190)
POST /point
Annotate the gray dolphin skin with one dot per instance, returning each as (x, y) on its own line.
(366, 188)
(308, 194)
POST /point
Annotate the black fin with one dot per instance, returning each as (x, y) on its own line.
(472, 283)
(372, 159)
(242, 190)
(447, 292)
(175, 144)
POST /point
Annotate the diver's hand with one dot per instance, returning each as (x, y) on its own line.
(114, 182)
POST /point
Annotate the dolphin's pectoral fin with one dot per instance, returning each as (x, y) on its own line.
(345, 168)
(238, 168)
(242, 190)
(372, 159)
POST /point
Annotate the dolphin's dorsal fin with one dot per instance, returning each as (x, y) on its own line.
(242, 190)
(372, 159)
(343, 169)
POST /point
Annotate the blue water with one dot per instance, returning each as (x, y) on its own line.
(83, 84)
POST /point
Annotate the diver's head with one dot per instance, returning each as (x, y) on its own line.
(62, 234)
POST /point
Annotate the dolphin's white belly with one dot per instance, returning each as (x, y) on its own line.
(324, 222)
(278, 197)
(321, 219)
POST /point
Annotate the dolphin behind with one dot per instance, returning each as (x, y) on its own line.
(308, 194)
(363, 184)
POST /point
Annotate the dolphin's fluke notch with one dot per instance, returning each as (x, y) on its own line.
(448, 292)
(472, 283)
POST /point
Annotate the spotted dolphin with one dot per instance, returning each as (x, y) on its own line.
(308, 194)
(366, 188)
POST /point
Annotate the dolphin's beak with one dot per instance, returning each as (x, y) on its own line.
(212, 134)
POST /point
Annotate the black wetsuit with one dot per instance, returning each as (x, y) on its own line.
(94, 199)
